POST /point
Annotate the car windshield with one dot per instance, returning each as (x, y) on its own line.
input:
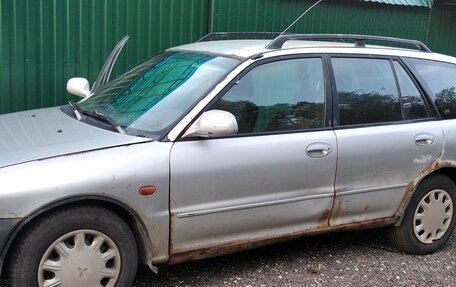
(148, 99)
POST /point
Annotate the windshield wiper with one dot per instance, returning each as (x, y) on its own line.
(76, 110)
(97, 114)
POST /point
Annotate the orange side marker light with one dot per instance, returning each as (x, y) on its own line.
(147, 190)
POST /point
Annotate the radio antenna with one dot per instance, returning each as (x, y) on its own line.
(299, 18)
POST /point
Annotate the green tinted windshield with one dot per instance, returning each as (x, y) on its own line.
(152, 96)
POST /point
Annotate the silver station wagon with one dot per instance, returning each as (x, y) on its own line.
(224, 145)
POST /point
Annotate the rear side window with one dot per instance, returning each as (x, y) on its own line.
(440, 78)
(413, 105)
(366, 90)
(278, 96)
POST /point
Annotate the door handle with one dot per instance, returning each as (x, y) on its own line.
(318, 150)
(424, 139)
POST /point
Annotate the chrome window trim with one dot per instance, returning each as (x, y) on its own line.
(331, 51)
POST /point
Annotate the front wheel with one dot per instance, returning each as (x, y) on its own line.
(429, 219)
(77, 246)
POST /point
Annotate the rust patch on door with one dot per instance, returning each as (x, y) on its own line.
(342, 189)
(337, 209)
(323, 221)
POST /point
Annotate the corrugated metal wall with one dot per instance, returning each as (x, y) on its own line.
(442, 31)
(43, 43)
(332, 16)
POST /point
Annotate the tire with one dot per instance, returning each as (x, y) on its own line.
(429, 219)
(92, 246)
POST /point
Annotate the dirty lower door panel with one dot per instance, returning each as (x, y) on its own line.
(246, 188)
(375, 166)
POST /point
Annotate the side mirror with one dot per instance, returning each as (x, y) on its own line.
(79, 87)
(214, 123)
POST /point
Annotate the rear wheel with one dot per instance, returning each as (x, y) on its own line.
(429, 219)
(77, 246)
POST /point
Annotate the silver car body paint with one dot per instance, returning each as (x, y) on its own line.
(375, 166)
(116, 173)
(37, 134)
(249, 187)
(449, 149)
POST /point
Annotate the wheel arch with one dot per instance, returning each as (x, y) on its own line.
(450, 172)
(447, 170)
(133, 220)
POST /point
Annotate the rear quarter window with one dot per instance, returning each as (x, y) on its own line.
(413, 105)
(440, 80)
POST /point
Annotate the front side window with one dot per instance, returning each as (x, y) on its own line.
(278, 96)
(367, 91)
(152, 96)
(441, 80)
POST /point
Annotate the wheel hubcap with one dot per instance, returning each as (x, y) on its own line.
(80, 258)
(433, 216)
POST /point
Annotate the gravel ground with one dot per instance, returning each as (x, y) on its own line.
(363, 258)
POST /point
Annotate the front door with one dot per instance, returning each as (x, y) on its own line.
(275, 177)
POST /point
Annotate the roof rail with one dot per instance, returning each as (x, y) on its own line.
(360, 40)
(215, 35)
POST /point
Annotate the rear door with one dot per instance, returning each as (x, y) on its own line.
(386, 135)
(274, 178)
(439, 79)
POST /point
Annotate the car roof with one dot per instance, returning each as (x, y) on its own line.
(247, 48)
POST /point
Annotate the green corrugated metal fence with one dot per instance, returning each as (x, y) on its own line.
(332, 16)
(45, 42)
(442, 30)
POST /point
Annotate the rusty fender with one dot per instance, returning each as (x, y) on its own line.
(411, 187)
